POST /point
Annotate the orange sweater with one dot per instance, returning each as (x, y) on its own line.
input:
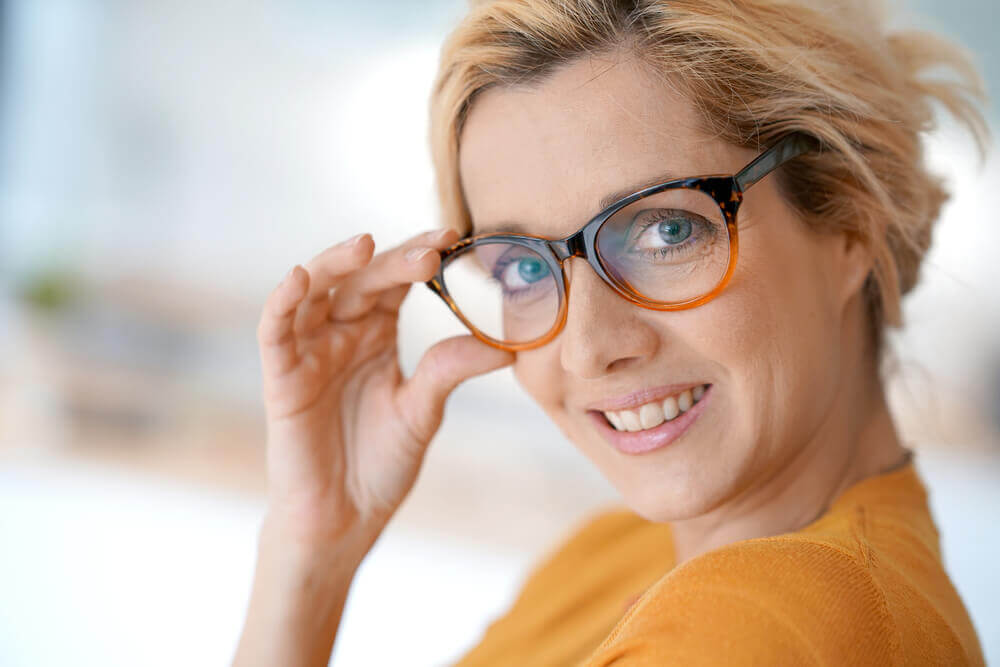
(863, 584)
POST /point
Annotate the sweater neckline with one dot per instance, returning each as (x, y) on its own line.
(899, 478)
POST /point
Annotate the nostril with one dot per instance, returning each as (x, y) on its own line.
(623, 363)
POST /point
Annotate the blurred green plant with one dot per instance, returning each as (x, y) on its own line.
(49, 290)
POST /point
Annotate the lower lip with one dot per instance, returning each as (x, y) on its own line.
(640, 442)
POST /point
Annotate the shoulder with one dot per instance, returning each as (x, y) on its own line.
(609, 532)
(603, 545)
(576, 593)
(780, 600)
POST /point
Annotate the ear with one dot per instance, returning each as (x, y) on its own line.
(852, 264)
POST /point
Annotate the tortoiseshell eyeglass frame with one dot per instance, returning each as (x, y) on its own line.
(726, 190)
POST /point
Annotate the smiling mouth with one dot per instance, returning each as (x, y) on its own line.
(654, 413)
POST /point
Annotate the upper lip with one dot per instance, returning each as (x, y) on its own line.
(641, 397)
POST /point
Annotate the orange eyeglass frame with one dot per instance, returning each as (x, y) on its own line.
(727, 191)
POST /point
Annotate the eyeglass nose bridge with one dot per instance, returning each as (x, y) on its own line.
(573, 246)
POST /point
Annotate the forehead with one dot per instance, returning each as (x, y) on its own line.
(542, 157)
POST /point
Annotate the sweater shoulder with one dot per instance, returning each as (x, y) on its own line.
(791, 599)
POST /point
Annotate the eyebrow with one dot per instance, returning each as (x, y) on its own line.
(605, 202)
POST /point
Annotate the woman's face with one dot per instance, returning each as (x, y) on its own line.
(770, 345)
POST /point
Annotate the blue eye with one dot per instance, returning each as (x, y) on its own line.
(669, 232)
(521, 275)
(531, 270)
(519, 271)
(675, 230)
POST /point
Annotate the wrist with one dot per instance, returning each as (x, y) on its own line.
(317, 525)
(335, 552)
(299, 591)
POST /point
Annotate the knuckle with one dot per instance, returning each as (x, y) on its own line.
(435, 369)
(342, 340)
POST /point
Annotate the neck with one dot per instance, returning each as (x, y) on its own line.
(858, 440)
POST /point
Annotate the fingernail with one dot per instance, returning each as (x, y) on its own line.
(354, 240)
(416, 254)
(443, 234)
(289, 274)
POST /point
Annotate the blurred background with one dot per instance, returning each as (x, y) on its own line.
(162, 164)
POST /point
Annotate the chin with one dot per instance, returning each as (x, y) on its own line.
(661, 503)
(684, 480)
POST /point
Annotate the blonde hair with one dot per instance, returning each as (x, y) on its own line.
(755, 70)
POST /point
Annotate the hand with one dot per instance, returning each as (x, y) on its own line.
(346, 432)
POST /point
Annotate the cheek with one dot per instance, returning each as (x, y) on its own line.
(538, 373)
(783, 343)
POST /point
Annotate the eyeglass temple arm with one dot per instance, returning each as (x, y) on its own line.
(790, 147)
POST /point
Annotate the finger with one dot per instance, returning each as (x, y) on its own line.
(357, 297)
(275, 334)
(391, 300)
(326, 270)
(416, 260)
(389, 273)
(421, 398)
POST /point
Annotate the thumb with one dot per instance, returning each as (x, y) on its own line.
(445, 365)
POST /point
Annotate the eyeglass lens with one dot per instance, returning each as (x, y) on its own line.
(669, 247)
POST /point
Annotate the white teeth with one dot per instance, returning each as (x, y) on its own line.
(615, 420)
(670, 409)
(630, 420)
(684, 401)
(652, 415)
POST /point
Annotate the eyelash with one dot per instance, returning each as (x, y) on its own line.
(660, 216)
(497, 273)
(656, 217)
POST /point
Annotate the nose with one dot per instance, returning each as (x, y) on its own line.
(604, 333)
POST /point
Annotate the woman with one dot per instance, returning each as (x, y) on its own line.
(687, 225)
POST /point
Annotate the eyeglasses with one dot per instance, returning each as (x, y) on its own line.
(670, 246)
